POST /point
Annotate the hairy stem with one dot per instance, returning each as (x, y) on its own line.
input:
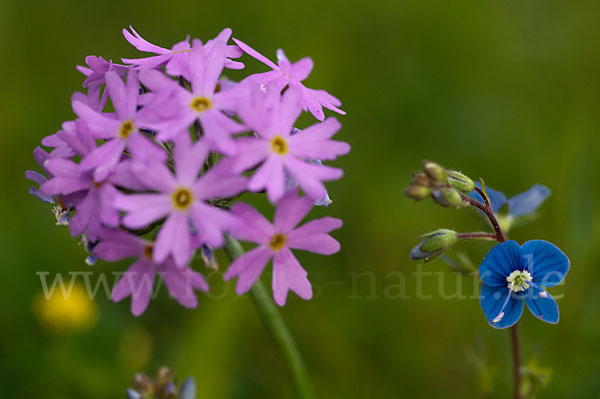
(275, 325)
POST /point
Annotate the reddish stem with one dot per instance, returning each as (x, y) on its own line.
(490, 215)
(484, 196)
(514, 331)
(477, 235)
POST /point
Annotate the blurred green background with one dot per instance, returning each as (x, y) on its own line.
(509, 91)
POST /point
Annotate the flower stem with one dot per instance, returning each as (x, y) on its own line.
(514, 330)
(275, 325)
(516, 354)
(475, 236)
(489, 213)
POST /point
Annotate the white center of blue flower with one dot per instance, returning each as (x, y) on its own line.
(519, 280)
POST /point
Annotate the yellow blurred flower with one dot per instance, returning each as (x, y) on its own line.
(68, 311)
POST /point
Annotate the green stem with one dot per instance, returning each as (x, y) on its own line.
(275, 325)
(516, 355)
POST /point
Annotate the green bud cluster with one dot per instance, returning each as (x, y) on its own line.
(444, 186)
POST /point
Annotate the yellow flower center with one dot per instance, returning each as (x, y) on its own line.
(277, 242)
(126, 129)
(517, 280)
(279, 145)
(200, 104)
(148, 251)
(182, 198)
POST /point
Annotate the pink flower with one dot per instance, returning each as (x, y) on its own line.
(176, 59)
(288, 74)
(95, 205)
(122, 129)
(202, 104)
(279, 151)
(138, 280)
(275, 241)
(182, 199)
(97, 68)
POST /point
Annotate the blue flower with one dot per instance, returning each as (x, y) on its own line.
(520, 207)
(511, 274)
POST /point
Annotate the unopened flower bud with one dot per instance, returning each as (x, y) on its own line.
(460, 181)
(434, 171)
(448, 197)
(421, 179)
(433, 244)
(439, 239)
(417, 192)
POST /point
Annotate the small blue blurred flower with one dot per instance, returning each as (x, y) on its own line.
(520, 207)
(511, 274)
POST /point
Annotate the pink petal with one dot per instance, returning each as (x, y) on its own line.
(103, 159)
(313, 236)
(288, 274)
(291, 209)
(251, 151)
(117, 244)
(142, 45)
(313, 142)
(143, 209)
(117, 91)
(181, 283)
(218, 129)
(252, 225)
(189, 159)
(302, 68)
(211, 223)
(270, 176)
(99, 125)
(253, 53)
(155, 176)
(84, 214)
(144, 150)
(108, 214)
(219, 182)
(289, 110)
(155, 80)
(283, 61)
(213, 63)
(310, 177)
(137, 281)
(248, 268)
(174, 238)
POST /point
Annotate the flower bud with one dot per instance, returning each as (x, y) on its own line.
(434, 171)
(433, 244)
(439, 239)
(417, 192)
(448, 197)
(460, 181)
(421, 179)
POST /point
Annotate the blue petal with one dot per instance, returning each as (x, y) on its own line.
(491, 300)
(38, 194)
(528, 201)
(544, 309)
(497, 265)
(497, 198)
(188, 389)
(549, 265)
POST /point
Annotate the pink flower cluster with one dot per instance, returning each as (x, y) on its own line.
(151, 174)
